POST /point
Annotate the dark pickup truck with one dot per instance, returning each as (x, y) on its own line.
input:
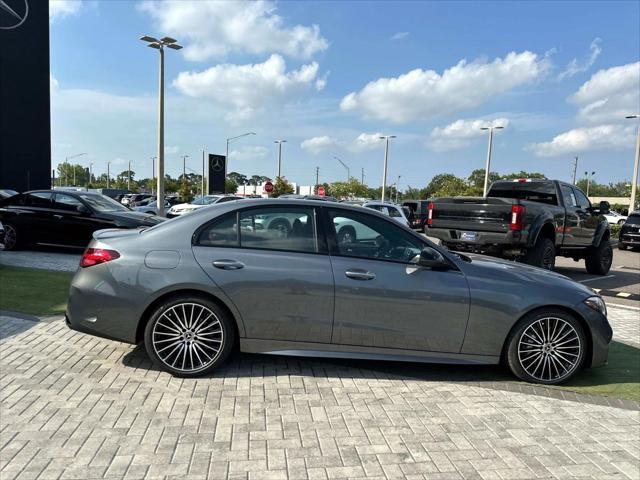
(529, 220)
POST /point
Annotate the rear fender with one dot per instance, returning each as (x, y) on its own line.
(537, 226)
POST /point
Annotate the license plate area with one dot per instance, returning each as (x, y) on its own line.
(469, 236)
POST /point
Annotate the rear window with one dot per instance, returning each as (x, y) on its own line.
(541, 192)
(633, 219)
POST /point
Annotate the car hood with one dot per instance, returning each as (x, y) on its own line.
(133, 218)
(182, 206)
(513, 272)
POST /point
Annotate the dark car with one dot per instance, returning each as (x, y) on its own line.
(64, 218)
(529, 220)
(6, 193)
(417, 213)
(630, 232)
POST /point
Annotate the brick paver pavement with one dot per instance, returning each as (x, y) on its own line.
(78, 407)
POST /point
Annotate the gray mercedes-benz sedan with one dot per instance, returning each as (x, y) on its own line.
(312, 278)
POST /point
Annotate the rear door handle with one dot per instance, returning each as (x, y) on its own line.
(228, 264)
(358, 274)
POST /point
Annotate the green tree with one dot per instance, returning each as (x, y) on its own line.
(281, 187)
(230, 186)
(352, 188)
(239, 178)
(66, 176)
(476, 181)
(446, 185)
(522, 174)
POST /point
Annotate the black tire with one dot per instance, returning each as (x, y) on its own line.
(598, 260)
(347, 235)
(620, 222)
(213, 337)
(621, 246)
(12, 238)
(560, 359)
(543, 254)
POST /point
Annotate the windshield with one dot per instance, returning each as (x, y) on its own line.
(102, 203)
(204, 201)
(633, 219)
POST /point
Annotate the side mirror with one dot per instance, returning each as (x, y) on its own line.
(82, 209)
(431, 258)
(604, 207)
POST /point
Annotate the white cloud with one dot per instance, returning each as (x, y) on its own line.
(171, 149)
(601, 137)
(58, 9)
(399, 35)
(574, 67)
(248, 88)
(461, 133)
(422, 94)
(366, 141)
(609, 94)
(215, 29)
(316, 145)
(249, 152)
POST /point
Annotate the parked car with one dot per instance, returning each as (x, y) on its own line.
(150, 208)
(391, 209)
(308, 197)
(194, 287)
(6, 193)
(111, 192)
(417, 213)
(138, 199)
(528, 220)
(64, 218)
(615, 218)
(630, 232)
(355, 202)
(1, 234)
(182, 208)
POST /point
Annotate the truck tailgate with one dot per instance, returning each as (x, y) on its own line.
(477, 214)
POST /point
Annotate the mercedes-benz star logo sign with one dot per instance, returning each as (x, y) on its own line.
(217, 163)
(13, 13)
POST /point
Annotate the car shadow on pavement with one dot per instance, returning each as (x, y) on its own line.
(12, 324)
(621, 278)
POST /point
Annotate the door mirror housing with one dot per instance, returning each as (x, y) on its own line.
(83, 210)
(604, 207)
(432, 258)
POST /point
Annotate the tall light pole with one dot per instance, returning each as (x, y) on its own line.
(231, 139)
(129, 176)
(489, 148)
(589, 177)
(108, 174)
(153, 172)
(159, 45)
(317, 180)
(280, 142)
(184, 167)
(90, 173)
(345, 166)
(386, 139)
(66, 160)
(575, 168)
(398, 187)
(634, 178)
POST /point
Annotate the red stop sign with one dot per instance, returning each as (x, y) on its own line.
(321, 191)
(268, 187)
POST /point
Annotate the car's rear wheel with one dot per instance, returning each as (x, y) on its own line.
(543, 254)
(189, 336)
(621, 246)
(599, 259)
(546, 347)
(11, 237)
(620, 222)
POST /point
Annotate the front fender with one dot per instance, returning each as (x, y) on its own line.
(603, 228)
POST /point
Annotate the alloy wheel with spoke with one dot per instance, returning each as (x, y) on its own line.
(549, 349)
(10, 237)
(187, 337)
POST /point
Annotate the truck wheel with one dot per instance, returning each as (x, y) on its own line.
(598, 260)
(543, 254)
(621, 246)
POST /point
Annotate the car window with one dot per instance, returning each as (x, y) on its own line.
(568, 196)
(375, 207)
(581, 200)
(222, 232)
(37, 199)
(393, 212)
(541, 192)
(226, 199)
(367, 236)
(62, 201)
(284, 228)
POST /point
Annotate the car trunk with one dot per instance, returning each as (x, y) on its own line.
(469, 213)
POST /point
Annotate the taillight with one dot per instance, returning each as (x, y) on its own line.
(517, 217)
(430, 217)
(95, 256)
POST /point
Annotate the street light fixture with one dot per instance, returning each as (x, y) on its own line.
(634, 179)
(280, 142)
(345, 166)
(488, 166)
(231, 139)
(159, 45)
(386, 138)
(66, 160)
(589, 178)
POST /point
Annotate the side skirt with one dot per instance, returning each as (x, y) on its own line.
(328, 350)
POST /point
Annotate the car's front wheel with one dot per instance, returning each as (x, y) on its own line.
(621, 246)
(11, 238)
(547, 346)
(189, 336)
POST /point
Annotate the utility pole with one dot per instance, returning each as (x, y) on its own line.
(386, 159)
(280, 142)
(129, 176)
(160, 45)
(489, 148)
(229, 140)
(589, 177)
(184, 167)
(203, 166)
(362, 176)
(397, 187)
(634, 178)
(108, 174)
(317, 177)
(153, 172)
(575, 168)
(345, 166)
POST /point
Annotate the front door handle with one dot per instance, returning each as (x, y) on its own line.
(228, 264)
(358, 274)
(58, 217)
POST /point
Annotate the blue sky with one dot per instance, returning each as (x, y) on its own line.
(329, 77)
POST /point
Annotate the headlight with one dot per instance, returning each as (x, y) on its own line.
(597, 303)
